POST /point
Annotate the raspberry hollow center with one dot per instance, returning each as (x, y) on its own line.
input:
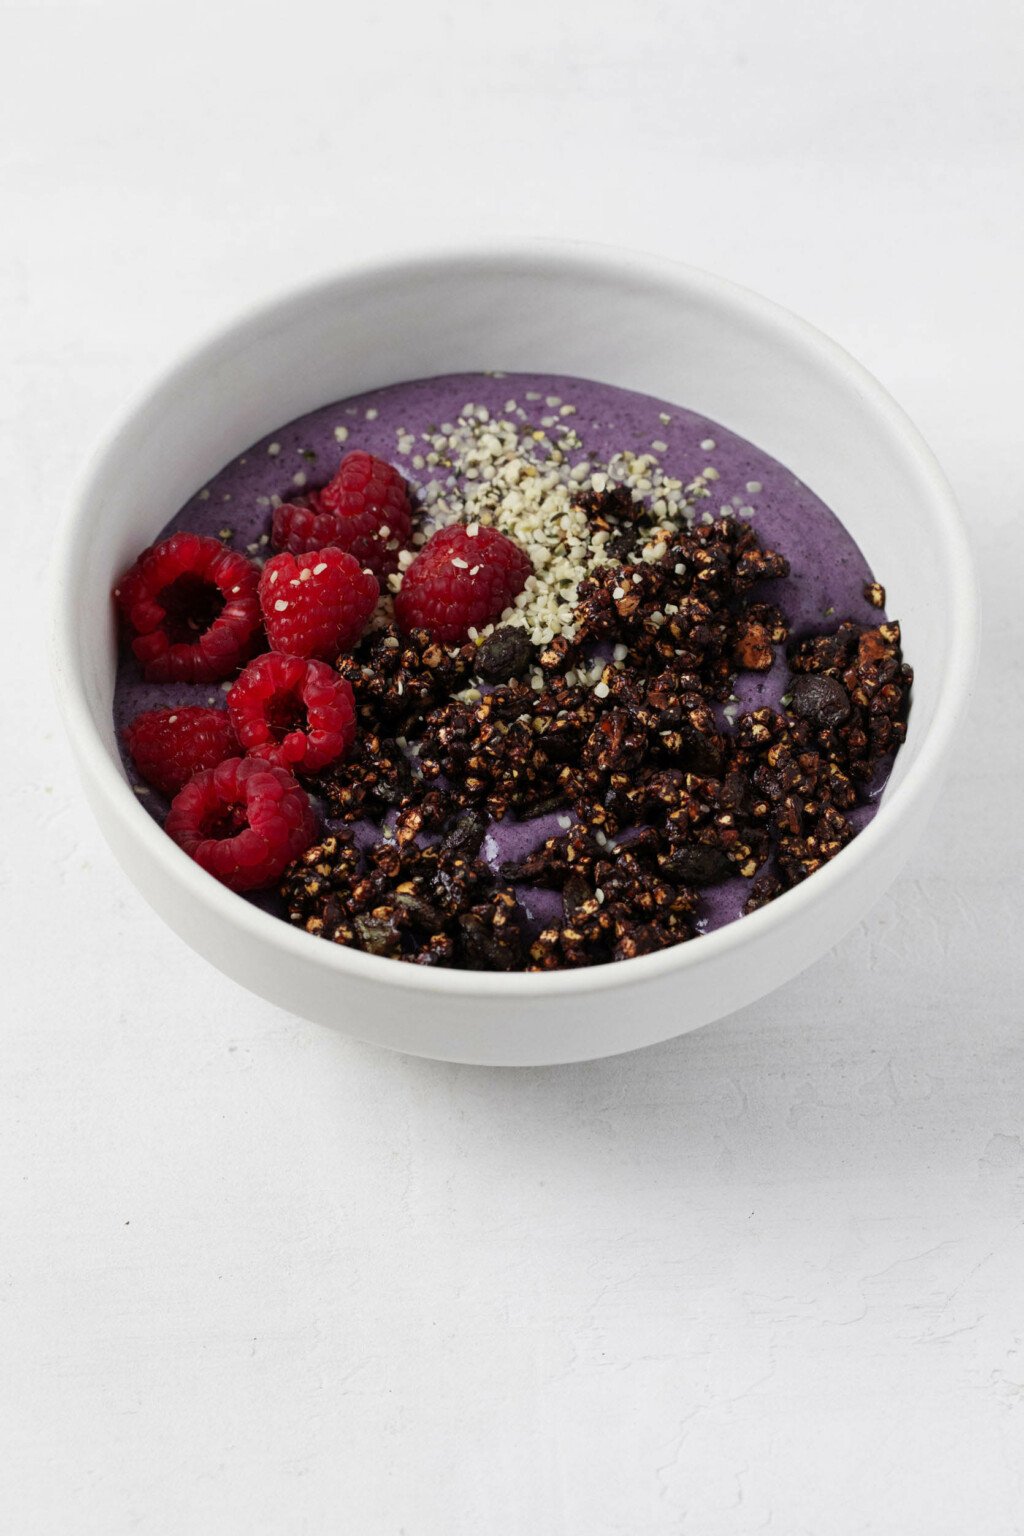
(286, 713)
(191, 605)
(226, 821)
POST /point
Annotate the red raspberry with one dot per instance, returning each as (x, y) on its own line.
(461, 580)
(169, 745)
(243, 821)
(192, 606)
(316, 604)
(296, 713)
(364, 509)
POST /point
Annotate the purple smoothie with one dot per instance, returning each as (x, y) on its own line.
(825, 585)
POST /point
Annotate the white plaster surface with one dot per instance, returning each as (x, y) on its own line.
(257, 1278)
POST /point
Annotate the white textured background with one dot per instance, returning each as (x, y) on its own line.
(255, 1278)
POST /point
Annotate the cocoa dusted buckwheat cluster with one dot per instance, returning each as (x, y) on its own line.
(662, 792)
(688, 608)
(433, 905)
(846, 715)
(617, 904)
(396, 677)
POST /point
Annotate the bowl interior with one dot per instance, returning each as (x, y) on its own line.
(662, 330)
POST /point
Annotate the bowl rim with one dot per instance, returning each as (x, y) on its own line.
(105, 777)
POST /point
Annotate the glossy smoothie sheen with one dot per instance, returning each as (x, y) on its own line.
(825, 586)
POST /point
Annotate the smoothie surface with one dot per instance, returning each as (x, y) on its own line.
(402, 423)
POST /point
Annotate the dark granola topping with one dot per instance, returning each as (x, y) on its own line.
(662, 796)
(505, 654)
(430, 905)
(821, 700)
(397, 677)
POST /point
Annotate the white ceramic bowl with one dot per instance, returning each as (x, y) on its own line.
(647, 325)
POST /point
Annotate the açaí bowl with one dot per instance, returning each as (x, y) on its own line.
(653, 326)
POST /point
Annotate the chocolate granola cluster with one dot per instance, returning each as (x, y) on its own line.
(661, 796)
(396, 678)
(433, 905)
(689, 608)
